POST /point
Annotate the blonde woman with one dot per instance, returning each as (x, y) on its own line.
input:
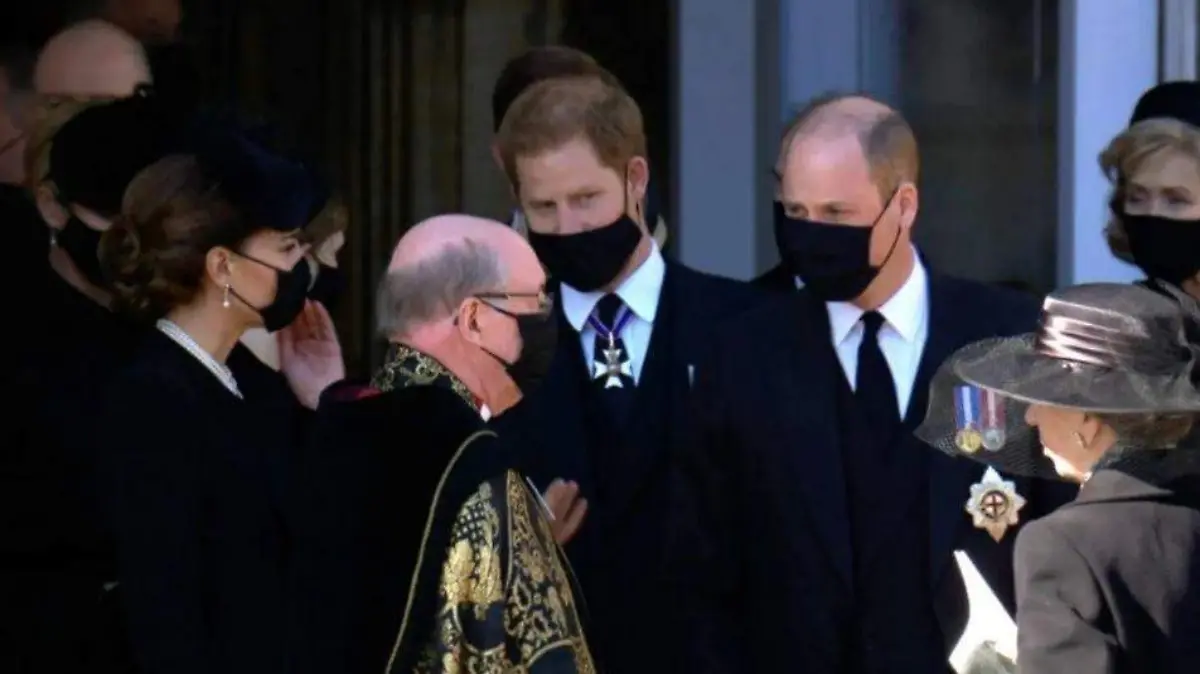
(1154, 168)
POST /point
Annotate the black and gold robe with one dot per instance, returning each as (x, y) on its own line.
(417, 548)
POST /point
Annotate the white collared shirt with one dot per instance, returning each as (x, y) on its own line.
(901, 338)
(639, 292)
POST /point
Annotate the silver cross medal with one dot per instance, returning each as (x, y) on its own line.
(615, 364)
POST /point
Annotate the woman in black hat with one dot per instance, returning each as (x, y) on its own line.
(1154, 168)
(206, 247)
(1103, 394)
(55, 557)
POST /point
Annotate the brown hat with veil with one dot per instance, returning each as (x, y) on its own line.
(1104, 348)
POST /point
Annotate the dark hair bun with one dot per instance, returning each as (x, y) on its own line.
(155, 253)
(130, 274)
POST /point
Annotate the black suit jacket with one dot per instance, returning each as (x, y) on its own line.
(776, 279)
(618, 553)
(1111, 582)
(763, 550)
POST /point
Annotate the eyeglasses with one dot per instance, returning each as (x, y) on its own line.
(545, 300)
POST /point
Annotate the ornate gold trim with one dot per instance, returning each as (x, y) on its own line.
(412, 586)
(407, 366)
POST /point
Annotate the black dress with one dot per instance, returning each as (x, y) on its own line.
(55, 554)
(1111, 582)
(197, 476)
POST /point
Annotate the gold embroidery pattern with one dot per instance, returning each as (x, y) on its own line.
(506, 598)
(412, 585)
(406, 367)
(542, 614)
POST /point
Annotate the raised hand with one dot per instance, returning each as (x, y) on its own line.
(310, 356)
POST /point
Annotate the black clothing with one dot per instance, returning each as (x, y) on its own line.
(197, 481)
(563, 430)
(417, 548)
(886, 488)
(777, 279)
(55, 553)
(1111, 582)
(809, 534)
(875, 387)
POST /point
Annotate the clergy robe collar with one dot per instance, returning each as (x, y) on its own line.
(406, 367)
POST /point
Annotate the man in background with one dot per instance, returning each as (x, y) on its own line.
(90, 59)
(57, 611)
(543, 63)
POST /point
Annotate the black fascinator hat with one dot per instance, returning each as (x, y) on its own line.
(270, 189)
(96, 154)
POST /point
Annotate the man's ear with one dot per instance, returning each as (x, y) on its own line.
(496, 156)
(467, 321)
(639, 178)
(53, 213)
(909, 203)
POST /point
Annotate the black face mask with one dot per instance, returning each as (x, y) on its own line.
(291, 291)
(833, 261)
(1165, 249)
(328, 287)
(539, 339)
(589, 260)
(82, 244)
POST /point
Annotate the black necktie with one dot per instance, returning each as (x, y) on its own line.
(874, 386)
(612, 371)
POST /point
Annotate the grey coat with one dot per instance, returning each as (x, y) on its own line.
(1110, 583)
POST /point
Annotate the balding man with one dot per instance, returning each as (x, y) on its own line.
(418, 548)
(91, 59)
(827, 529)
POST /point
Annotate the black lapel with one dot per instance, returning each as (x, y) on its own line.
(561, 431)
(805, 400)
(949, 479)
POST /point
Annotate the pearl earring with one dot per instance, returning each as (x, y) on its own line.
(225, 301)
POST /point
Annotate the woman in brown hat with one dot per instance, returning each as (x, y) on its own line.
(1111, 581)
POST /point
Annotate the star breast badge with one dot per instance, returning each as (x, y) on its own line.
(994, 504)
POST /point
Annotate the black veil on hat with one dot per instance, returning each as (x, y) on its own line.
(1104, 348)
